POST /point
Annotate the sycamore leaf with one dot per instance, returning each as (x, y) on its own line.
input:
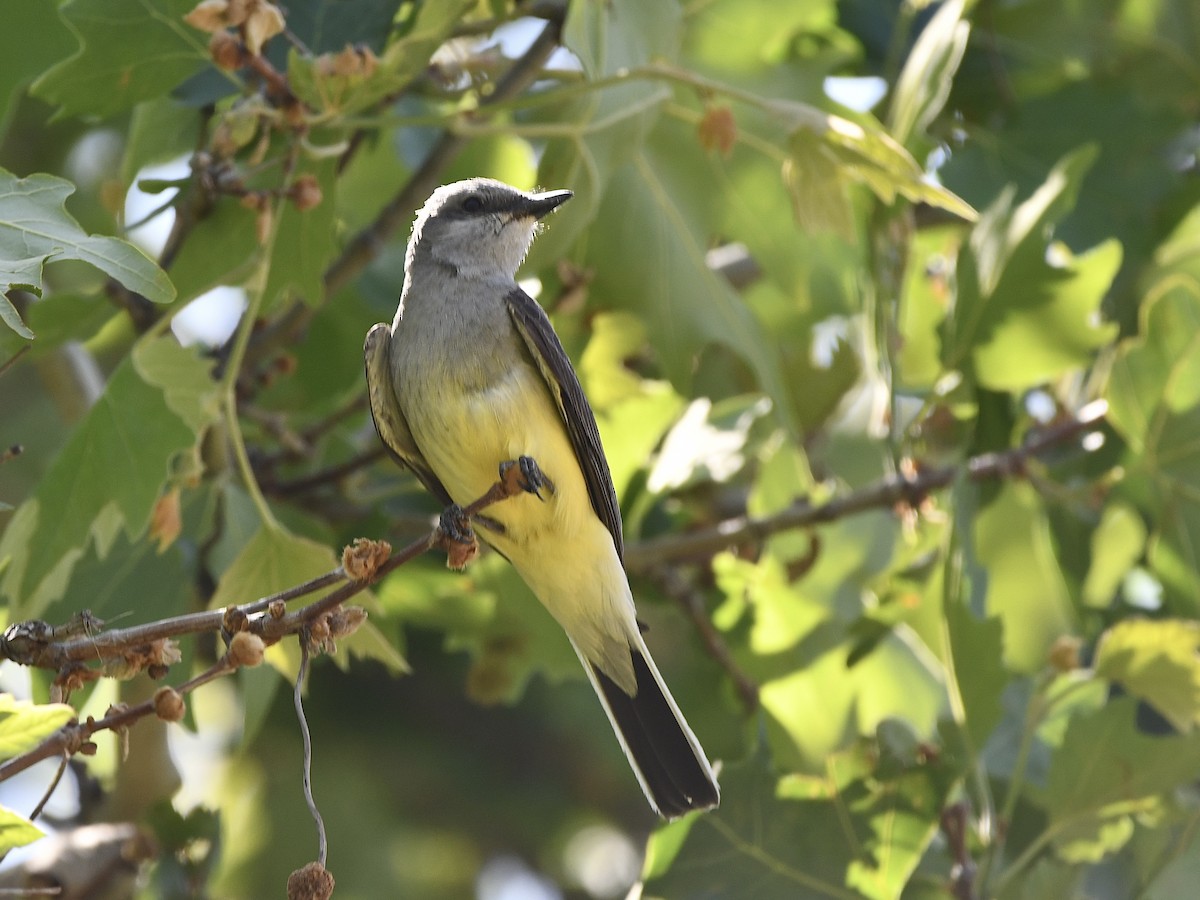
(864, 154)
(857, 830)
(34, 227)
(1154, 398)
(16, 830)
(1105, 771)
(110, 473)
(24, 725)
(129, 51)
(928, 74)
(1158, 661)
(1027, 311)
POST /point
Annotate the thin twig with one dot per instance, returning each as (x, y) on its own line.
(62, 767)
(271, 627)
(691, 602)
(12, 360)
(897, 489)
(306, 737)
(322, 477)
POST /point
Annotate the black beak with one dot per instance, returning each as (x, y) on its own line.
(541, 204)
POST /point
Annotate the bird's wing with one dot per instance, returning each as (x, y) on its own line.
(546, 350)
(385, 410)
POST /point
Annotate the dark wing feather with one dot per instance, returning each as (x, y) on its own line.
(555, 367)
(385, 412)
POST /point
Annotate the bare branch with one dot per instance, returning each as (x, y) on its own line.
(34, 644)
(899, 489)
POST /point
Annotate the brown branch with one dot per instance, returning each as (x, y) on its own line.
(898, 489)
(322, 477)
(23, 642)
(691, 602)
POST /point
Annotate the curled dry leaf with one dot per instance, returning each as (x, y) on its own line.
(361, 559)
(264, 21)
(166, 520)
(345, 621)
(718, 130)
(210, 15)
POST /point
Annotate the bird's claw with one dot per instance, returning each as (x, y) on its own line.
(457, 536)
(524, 474)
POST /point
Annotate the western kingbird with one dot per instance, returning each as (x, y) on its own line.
(471, 377)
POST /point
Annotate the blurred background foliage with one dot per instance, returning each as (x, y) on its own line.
(814, 244)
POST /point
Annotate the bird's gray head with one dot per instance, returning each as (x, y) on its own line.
(480, 227)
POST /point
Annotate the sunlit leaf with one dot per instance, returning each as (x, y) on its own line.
(1117, 544)
(24, 725)
(1155, 404)
(16, 830)
(35, 228)
(1027, 312)
(1106, 771)
(928, 74)
(1158, 661)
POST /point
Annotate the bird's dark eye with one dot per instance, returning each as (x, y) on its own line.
(472, 204)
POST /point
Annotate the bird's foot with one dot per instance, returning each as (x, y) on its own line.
(523, 474)
(457, 537)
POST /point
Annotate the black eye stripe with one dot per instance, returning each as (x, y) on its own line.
(472, 204)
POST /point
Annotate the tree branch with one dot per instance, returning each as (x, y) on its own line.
(35, 643)
(704, 543)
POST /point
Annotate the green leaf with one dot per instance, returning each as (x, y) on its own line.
(665, 280)
(1158, 661)
(753, 36)
(865, 154)
(16, 830)
(1106, 771)
(34, 226)
(129, 51)
(1156, 374)
(924, 84)
(273, 559)
(24, 725)
(978, 650)
(30, 34)
(603, 128)
(856, 830)
(109, 474)
(1023, 314)
(1048, 326)
(1025, 585)
(304, 243)
(1154, 396)
(1117, 544)
(755, 846)
(60, 318)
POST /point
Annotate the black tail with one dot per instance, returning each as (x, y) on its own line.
(668, 760)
